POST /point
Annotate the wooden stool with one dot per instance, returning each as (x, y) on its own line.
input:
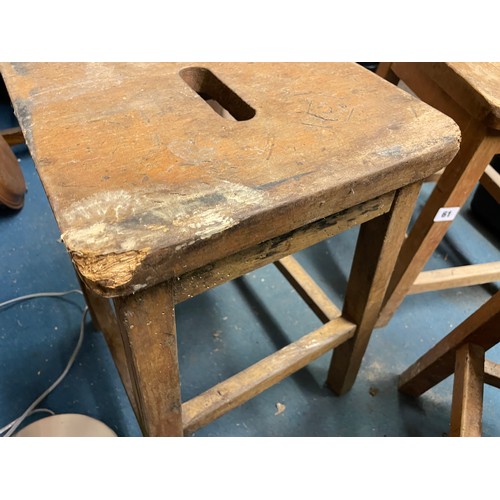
(12, 184)
(12, 135)
(470, 94)
(159, 198)
(461, 351)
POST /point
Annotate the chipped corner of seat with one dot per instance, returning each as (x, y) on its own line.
(108, 273)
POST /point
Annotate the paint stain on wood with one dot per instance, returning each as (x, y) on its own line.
(145, 218)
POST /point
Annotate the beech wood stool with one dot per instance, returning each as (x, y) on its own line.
(470, 94)
(462, 352)
(159, 198)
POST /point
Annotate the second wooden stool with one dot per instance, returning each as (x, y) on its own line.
(470, 94)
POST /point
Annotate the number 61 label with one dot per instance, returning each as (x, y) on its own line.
(446, 214)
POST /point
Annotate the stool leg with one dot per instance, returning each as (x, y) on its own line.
(374, 259)
(452, 190)
(147, 323)
(101, 312)
(480, 328)
(467, 402)
(104, 320)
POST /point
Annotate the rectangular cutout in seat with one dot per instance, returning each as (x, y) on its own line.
(217, 94)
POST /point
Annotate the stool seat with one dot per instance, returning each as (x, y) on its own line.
(168, 179)
(473, 85)
(175, 184)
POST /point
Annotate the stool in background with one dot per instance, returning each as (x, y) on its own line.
(462, 352)
(12, 184)
(160, 198)
(470, 94)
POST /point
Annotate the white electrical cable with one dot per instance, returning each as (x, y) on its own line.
(36, 295)
(36, 410)
(14, 425)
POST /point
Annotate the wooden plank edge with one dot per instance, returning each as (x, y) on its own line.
(492, 373)
(12, 136)
(238, 389)
(490, 180)
(233, 266)
(467, 399)
(454, 277)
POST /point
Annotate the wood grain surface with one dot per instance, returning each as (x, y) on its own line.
(474, 85)
(147, 181)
